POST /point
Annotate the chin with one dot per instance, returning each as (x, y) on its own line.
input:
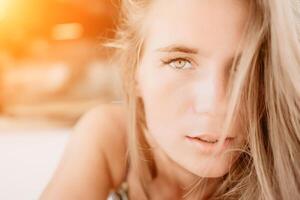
(210, 168)
(212, 174)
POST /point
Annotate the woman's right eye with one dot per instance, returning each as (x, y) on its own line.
(179, 63)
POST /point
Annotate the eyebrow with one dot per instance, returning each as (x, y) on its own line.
(189, 50)
(178, 48)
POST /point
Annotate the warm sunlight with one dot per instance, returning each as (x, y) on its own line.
(3, 3)
(3, 8)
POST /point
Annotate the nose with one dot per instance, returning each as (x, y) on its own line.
(209, 93)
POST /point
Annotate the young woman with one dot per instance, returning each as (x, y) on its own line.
(211, 107)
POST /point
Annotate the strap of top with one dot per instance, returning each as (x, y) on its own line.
(120, 194)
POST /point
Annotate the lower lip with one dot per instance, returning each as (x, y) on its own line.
(207, 147)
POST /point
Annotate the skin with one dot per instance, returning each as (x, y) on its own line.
(90, 167)
(182, 81)
(180, 96)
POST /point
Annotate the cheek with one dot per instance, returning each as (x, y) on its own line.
(165, 97)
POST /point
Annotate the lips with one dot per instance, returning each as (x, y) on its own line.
(212, 141)
(207, 137)
(208, 143)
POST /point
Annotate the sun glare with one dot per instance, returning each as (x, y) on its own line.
(3, 8)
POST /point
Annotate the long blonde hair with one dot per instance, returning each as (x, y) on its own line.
(265, 90)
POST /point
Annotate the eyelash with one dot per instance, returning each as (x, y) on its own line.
(171, 60)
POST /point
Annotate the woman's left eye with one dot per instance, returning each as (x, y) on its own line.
(179, 63)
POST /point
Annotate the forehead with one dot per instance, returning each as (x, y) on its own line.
(214, 26)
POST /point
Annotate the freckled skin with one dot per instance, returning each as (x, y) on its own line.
(178, 101)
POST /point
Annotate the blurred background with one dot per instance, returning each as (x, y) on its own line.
(53, 68)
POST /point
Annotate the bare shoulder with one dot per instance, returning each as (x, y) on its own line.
(106, 125)
(95, 157)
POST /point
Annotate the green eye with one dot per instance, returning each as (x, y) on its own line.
(180, 63)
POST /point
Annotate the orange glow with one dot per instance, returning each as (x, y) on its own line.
(22, 22)
(67, 31)
(3, 8)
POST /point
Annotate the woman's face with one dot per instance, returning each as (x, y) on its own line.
(189, 49)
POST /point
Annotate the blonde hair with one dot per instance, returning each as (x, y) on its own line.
(265, 90)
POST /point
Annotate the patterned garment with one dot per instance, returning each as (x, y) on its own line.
(120, 194)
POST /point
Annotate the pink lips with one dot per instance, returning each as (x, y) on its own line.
(210, 137)
(208, 143)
